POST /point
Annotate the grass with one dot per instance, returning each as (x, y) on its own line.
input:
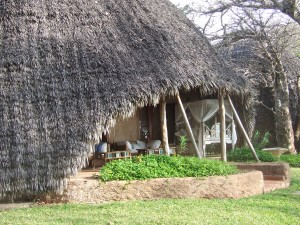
(293, 160)
(278, 207)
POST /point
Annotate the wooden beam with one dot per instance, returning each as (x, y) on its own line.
(243, 129)
(163, 125)
(222, 127)
(189, 129)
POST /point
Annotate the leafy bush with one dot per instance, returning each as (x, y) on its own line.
(245, 155)
(260, 141)
(182, 144)
(293, 160)
(157, 166)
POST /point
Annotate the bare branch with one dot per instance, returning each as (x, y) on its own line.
(290, 8)
(207, 24)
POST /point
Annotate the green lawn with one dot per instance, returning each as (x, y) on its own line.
(278, 207)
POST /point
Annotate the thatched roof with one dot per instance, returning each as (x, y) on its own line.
(246, 56)
(68, 68)
(249, 61)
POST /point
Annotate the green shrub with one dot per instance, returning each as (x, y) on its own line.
(260, 141)
(155, 166)
(245, 155)
(182, 144)
(293, 160)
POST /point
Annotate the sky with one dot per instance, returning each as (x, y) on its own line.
(215, 27)
(197, 20)
(182, 2)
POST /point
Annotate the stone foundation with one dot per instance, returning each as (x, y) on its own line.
(233, 186)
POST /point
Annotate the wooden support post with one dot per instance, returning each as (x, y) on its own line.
(163, 125)
(189, 129)
(243, 130)
(222, 127)
(150, 122)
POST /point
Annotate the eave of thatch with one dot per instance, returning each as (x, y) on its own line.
(68, 68)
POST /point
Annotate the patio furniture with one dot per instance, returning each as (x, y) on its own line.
(158, 151)
(149, 148)
(109, 156)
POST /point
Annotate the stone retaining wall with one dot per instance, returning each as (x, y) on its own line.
(233, 186)
(271, 171)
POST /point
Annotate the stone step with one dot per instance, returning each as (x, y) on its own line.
(274, 177)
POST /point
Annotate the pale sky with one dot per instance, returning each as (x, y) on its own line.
(215, 26)
(181, 2)
(197, 20)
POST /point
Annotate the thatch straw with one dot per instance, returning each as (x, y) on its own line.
(68, 68)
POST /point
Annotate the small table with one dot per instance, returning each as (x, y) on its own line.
(108, 156)
(150, 151)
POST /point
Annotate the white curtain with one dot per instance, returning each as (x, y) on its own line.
(202, 111)
(233, 134)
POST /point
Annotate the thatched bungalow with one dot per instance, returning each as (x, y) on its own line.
(247, 58)
(69, 69)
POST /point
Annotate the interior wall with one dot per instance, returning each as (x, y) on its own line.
(132, 129)
(125, 129)
(194, 95)
(144, 124)
(156, 124)
(171, 123)
(157, 135)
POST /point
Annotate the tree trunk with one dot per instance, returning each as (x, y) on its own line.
(297, 126)
(283, 121)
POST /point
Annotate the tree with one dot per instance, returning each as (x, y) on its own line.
(274, 35)
(274, 39)
(290, 8)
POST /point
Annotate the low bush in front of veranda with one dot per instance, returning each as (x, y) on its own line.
(245, 155)
(293, 160)
(161, 166)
